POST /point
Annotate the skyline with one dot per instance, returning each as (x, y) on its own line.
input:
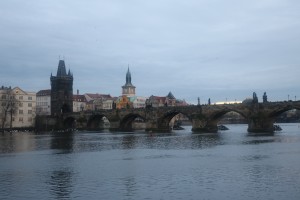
(207, 49)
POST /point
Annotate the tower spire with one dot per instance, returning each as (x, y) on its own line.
(128, 89)
(128, 77)
(61, 70)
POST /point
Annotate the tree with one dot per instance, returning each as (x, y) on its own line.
(8, 106)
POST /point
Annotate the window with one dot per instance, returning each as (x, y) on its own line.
(20, 97)
(30, 119)
(3, 104)
(29, 111)
(20, 111)
(20, 104)
(20, 119)
(29, 104)
(29, 98)
(3, 96)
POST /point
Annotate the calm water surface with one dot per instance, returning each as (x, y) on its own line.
(180, 165)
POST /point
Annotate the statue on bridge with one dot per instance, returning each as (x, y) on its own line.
(265, 98)
(255, 99)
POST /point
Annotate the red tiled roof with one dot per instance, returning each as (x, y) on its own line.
(79, 98)
(44, 93)
(98, 96)
(159, 98)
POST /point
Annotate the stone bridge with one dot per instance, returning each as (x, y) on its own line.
(204, 118)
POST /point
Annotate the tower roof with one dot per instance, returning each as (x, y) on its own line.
(128, 78)
(171, 96)
(61, 70)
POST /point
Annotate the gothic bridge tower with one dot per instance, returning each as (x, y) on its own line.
(61, 91)
(128, 89)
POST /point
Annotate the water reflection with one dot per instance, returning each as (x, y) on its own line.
(130, 186)
(128, 141)
(61, 184)
(254, 158)
(16, 142)
(259, 141)
(63, 142)
(175, 141)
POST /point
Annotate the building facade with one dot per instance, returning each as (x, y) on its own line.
(43, 102)
(18, 108)
(79, 103)
(139, 102)
(124, 102)
(99, 101)
(169, 100)
(61, 91)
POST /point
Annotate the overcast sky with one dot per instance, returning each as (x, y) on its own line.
(208, 48)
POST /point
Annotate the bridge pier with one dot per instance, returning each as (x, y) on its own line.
(114, 126)
(204, 126)
(261, 125)
(153, 126)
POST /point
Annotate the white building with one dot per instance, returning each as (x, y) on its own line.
(43, 102)
(99, 101)
(79, 103)
(139, 102)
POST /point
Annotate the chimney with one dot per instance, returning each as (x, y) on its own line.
(77, 92)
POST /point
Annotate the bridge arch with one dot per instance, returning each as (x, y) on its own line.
(212, 119)
(165, 120)
(216, 116)
(126, 124)
(97, 122)
(282, 110)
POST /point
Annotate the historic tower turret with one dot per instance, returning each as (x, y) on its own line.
(61, 90)
(128, 89)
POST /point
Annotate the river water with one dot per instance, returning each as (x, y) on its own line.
(179, 165)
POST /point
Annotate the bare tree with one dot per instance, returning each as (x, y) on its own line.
(8, 106)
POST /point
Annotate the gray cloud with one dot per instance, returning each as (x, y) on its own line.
(218, 49)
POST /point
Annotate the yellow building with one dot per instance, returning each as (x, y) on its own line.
(18, 108)
(124, 102)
